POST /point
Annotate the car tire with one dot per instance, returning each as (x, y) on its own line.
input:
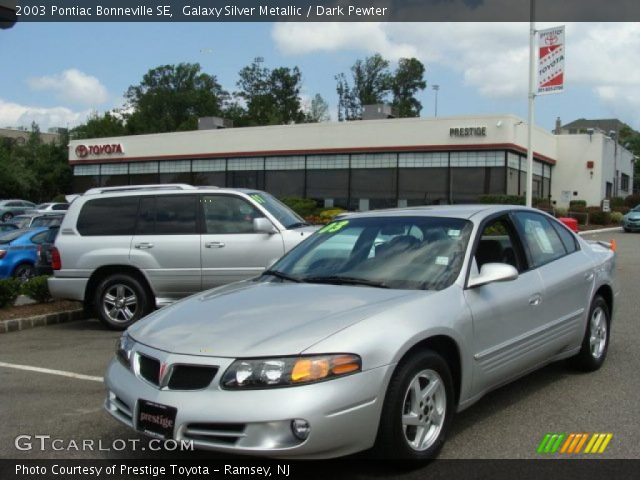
(626, 229)
(120, 301)
(6, 217)
(595, 343)
(24, 272)
(418, 409)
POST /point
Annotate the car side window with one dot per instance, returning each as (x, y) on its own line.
(567, 238)
(108, 216)
(227, 214)
(541, 240)
(167, 215)
(498, 244)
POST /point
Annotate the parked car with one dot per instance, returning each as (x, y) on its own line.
(376, 345)
(5, 227)
(125, 250)
(18, 251)
(11, 208)
(30, 220)
(51, 207)
(44, 256)
(631, 221)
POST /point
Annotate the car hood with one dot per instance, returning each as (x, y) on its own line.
(633, 215)
(261, 318)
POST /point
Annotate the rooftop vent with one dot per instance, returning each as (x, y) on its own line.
(214, 123)
(378, 111)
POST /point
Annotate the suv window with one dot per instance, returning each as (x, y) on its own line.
(60, 206)
(108, 216)
(168, 215)
(541, 239)
(227, 214)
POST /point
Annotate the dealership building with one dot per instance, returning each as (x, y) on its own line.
(368, 164)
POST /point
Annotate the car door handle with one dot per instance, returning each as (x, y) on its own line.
(588, 276)
(535, 300)
(143, 246)
(214, 245)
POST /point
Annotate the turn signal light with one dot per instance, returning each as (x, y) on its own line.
(56, 262)
(613, 245)
(3, 253)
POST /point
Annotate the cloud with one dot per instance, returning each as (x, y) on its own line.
(490, 57)
(73, 86)
(14, 115)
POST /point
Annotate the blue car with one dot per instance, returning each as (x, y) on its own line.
(19, 251)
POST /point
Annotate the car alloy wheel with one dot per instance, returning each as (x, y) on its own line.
(24, 272)
(598, 332)
(423, 411)
(120, 303)
(595, 343)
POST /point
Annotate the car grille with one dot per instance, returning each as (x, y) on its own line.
(180, 377)
(215, 433)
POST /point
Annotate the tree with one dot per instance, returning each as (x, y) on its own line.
(171, 98)
(372, 82)
(99, 126)
(272, 97)
(318, 110)
(407, 82)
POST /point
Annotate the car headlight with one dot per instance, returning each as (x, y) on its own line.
(124, 348)
(288, 371)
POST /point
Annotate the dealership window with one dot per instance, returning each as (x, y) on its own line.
(423, 186)
(245, 173)
(327, 179)
(467, 184)
(373, 181)
(114, 174)
(624, 182)
(175, 171)
(284, 176)
(477, 159)
(423, 159)
(85, 177)
(211, 172)
(142, 173)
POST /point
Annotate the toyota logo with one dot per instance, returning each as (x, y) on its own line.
(551, 39)
(82, 151)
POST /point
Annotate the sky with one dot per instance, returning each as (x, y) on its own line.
(58, 73)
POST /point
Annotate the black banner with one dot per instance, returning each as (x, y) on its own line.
(323, 10)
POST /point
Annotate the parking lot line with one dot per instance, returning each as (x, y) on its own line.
(61, 373)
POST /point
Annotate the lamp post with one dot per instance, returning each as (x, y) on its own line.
(436, 88)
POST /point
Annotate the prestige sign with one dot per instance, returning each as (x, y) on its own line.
(83, 151)
(468, 132)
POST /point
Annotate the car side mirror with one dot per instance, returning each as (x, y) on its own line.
(263, 225)
(493, 272)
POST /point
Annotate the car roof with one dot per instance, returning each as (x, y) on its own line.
(452, 211)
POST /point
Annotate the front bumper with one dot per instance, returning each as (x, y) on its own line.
(635, 226)
(343, 413)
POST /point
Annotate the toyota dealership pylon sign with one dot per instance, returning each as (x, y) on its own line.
(551, 60)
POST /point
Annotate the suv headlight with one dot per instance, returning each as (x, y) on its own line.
(124, 347)
(288, 371)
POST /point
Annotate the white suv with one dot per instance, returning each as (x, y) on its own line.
(125, 250)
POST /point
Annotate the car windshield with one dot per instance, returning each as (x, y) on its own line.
(20, 221)
(287, 217)
(9, 237)
(42, 206)
(636, 208)
(45, 221)
(389, 252)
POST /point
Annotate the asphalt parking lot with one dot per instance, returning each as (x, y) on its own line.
(508, 423)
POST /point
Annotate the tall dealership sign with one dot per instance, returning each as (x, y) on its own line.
(550, 60)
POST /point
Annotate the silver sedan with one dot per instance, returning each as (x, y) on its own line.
(371, 334)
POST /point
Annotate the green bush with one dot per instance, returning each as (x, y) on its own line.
(9, 291)
(573, 204)
(302, 206)
(561, 212)
(632, 200)
(60, 198)
(598, 217)
(622, 210)
(329, 213)
(616, 217)
(37, 288)
(616, 202)
(502, 199)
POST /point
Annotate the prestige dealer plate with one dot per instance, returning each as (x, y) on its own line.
(156, 419)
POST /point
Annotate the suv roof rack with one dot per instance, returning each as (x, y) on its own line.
(133, 188)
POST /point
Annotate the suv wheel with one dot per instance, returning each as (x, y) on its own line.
(596, 339)
(120, 301)
(417, 410)
(24, 272)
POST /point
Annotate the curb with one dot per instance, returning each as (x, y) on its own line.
(601, 230)
(18, 324)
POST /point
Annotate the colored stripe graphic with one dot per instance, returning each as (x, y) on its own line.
(572, 443)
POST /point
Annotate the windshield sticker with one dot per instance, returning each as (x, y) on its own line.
(257, 198)
(453, 233)
(442, 261)
(334, 227)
